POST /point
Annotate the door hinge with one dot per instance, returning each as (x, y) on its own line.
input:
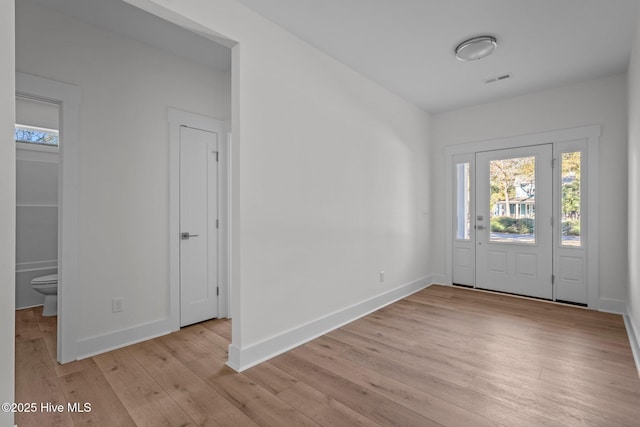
(553, 279)
(217, 291)
(553, 163)
(217, 223)
(552, 221)
(217, 155)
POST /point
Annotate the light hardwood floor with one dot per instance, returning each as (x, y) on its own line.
(444, 356)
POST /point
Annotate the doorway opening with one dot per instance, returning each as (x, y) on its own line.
(37, 168)
(52, 105)
(37, 140)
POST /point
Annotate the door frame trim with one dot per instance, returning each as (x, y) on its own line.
(176, 119)
(592, 134)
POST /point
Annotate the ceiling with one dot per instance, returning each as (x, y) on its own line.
(407, 45)
(129, 21)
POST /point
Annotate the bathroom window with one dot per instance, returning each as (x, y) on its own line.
(37, 136)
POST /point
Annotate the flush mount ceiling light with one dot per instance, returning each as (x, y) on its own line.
(476, 48)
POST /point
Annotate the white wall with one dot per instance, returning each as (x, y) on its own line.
(331, 181)
(633, 302)
(7, 208)
(124, 156)
(601, 101)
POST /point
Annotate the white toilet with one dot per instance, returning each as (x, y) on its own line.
(48, 286)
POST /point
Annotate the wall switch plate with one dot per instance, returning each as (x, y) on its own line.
(117, 305)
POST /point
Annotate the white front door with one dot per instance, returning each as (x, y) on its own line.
(513, 220)
(198, 225)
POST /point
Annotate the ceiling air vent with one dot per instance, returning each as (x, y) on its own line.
(498, 78)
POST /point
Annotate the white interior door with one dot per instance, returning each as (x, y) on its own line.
(513, 220)
(198, 225)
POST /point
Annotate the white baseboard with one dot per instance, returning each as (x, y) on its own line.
(244, 358)
(439, 279)
(612, 306)
(29, 306)
(92, 346)
(633, 331)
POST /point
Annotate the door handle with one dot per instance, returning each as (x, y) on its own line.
(186, 236)
(479, 227)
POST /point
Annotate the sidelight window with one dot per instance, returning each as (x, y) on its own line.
(463, 202)
(571, 199)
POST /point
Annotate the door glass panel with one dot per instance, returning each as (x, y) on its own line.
(571, 201)
(463, 202)
(512, 200)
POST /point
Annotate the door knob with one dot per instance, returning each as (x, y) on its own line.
(185, 235)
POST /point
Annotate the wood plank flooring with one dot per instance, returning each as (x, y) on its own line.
(444, 356)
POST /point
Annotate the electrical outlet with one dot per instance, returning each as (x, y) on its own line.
(117, 305)
(382, 277)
